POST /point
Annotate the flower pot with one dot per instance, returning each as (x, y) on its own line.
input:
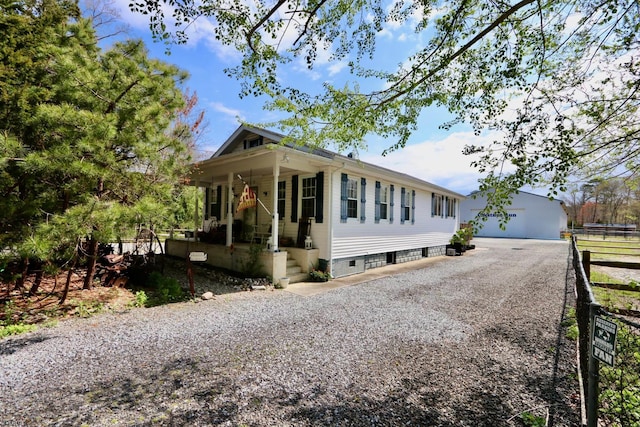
(284, 282)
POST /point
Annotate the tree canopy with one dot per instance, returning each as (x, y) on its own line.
(91, 141)
(558, 80)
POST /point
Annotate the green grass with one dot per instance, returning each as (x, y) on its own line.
(612, 246)
(16, 329)
(598, 277)
(570, 322)
(614, 299)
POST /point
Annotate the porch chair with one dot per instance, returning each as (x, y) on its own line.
(260, 233)
(263, 231)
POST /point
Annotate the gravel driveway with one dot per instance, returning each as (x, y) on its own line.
(469, 341)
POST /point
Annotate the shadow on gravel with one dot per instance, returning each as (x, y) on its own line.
(11, 345)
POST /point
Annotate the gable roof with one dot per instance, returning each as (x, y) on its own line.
(349, 163)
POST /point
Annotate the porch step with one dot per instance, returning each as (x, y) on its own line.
(299, 277)
(294, 271)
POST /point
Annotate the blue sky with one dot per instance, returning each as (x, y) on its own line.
(432, 154)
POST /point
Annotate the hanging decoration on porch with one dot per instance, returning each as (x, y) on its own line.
(250, 196)
(247, 199)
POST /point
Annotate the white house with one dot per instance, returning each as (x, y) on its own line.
(530, 217)
(357, 215)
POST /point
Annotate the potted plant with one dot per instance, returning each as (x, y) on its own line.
(320, 273)
(457, 243)
(460, 240)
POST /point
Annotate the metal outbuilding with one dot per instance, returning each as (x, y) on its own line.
(531, 216)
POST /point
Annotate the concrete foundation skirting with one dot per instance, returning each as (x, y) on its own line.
(235, 258)
(354, 265)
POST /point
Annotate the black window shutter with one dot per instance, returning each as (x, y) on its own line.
(433, 204)
(391, 190)
(363, 199)
(343, 197)
(402, 204)
(319, 196)
(413, 206)
(377, 203)
(294, 198)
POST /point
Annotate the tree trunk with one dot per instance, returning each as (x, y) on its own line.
(92, 252)
(67, 283)
(36, 283)
(23, 275)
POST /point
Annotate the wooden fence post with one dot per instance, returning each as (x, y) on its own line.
(586, 264)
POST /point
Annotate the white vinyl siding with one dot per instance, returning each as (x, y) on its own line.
(351, 239)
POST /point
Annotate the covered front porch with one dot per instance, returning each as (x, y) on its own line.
(282, 227)
(290, 262)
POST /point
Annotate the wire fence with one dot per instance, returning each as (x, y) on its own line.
(612, 393)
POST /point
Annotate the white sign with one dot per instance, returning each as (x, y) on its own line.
(197, 256)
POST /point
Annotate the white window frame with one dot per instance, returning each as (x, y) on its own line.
(384, 201)
(407, 205)
(352, 197)
(303, 197)
(437, 208)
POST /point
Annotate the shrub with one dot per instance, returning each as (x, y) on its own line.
(319, 276)
(166, 289)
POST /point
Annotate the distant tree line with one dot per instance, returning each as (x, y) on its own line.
(603, 201)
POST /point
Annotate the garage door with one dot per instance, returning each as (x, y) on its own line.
(515, 228)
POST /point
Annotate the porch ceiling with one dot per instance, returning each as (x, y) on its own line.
(254, 163)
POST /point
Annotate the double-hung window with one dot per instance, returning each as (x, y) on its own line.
(384, 202)
(451, 207)
(309, 197)
(352, 198)
(436, 205)
(407, 205)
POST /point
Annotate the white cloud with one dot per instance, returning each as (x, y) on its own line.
(230, 114)
(336, 67)
(440, 162)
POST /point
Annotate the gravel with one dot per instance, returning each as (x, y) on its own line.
(469, 341)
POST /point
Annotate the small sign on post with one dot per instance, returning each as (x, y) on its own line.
(197, 256)
(603, 341)
(194, 257)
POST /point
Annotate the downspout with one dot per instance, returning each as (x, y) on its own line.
(330, 225)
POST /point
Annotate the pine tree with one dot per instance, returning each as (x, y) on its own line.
(95, 140)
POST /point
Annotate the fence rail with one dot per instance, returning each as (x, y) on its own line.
(612, 392)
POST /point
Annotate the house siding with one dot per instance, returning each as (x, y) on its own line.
(359, 245)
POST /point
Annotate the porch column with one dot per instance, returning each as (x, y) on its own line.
(230, 210)
(274, 219)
